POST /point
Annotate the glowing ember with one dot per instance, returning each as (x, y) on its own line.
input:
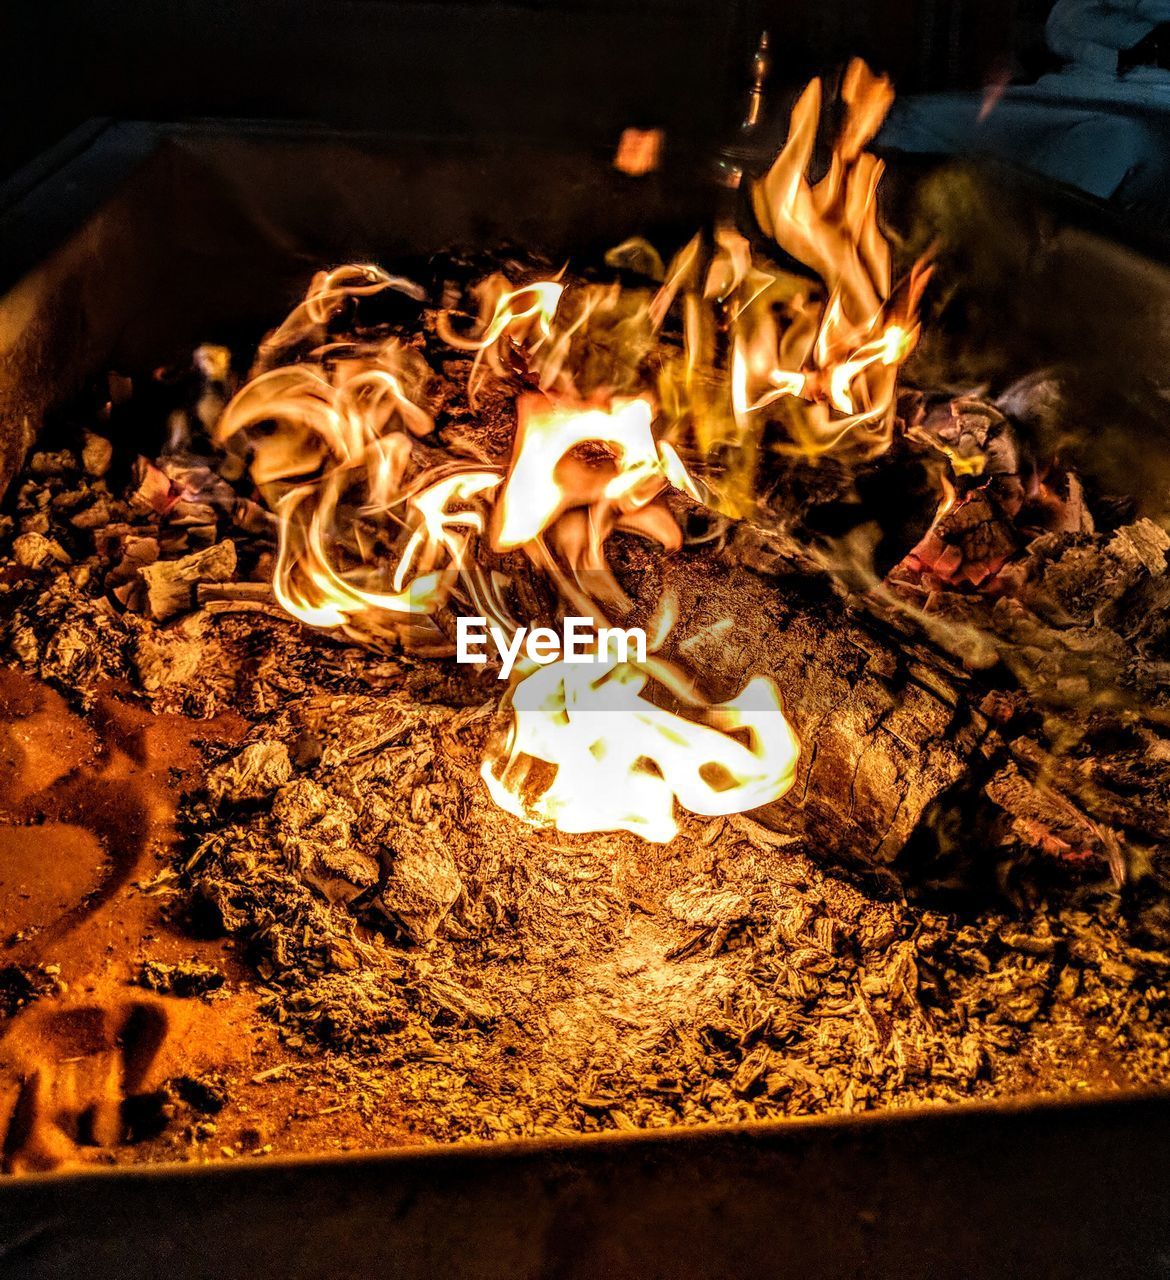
(389, 539)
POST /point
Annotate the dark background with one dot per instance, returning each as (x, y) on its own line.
(580, 68)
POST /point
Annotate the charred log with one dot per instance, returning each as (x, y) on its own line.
(888, 727)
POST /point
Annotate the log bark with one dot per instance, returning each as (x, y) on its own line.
(899, 740)
(887, 726)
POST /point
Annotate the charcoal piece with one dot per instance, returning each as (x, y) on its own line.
(96, 454)
(1037, 402)
(1046, 821)
(188, 978)
(970, 543)
(207, 1092)
(20, 986)
(38, 523)
(169, 662)
(423, 883)
(339, 874)
(700, 904)
(35, 551)
(95, 516)
(53, 463)
(304, 804)
(254, 774)
(975, 435)
(1076, 580)
(316, 832)
(170, 583)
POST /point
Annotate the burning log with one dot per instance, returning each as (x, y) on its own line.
(890, 726)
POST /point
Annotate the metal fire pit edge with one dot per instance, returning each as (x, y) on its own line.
(1042, 1189)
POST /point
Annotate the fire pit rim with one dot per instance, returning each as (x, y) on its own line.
(1031, 1188)
(1093, 1101)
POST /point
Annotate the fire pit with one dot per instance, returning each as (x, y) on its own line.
(315, 841)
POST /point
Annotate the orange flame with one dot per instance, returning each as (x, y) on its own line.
(811, 361)
(384, 537)
(844, 341)
(351, 424)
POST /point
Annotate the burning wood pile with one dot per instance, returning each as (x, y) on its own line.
(598, 699)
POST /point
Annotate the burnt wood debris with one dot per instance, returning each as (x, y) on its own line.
(963, 890)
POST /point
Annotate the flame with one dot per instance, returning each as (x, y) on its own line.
(577, 473)
(387, 536)
(534, 494)
(579, 501)
(522, 317)
(843, 340)
(811, 359)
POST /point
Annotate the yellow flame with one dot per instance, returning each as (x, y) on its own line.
(384, 536)
(808, 363)
(842, 343)
(540, 486)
